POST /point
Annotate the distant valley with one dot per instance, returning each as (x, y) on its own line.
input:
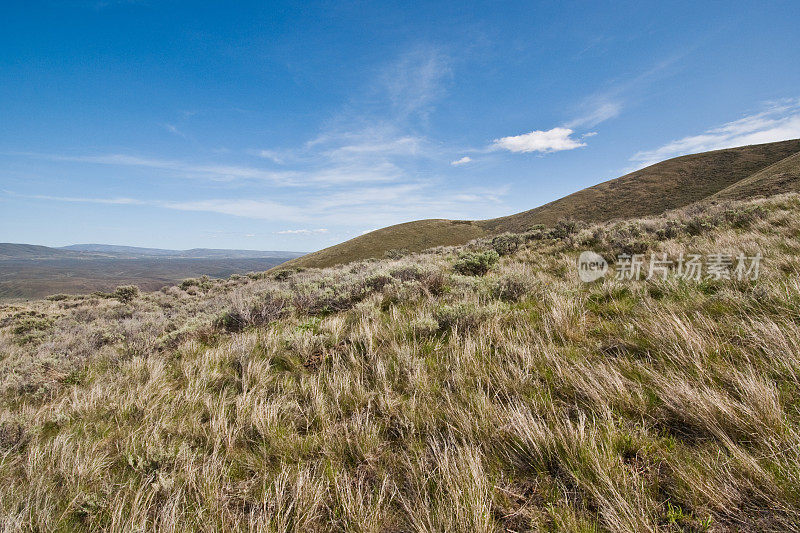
(31, 271)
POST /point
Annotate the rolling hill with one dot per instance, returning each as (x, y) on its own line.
(733, 173)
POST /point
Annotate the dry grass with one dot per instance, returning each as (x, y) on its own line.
(398, 395)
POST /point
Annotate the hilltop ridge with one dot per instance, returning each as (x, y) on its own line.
(732, 173)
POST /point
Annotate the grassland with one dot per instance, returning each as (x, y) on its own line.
(732, 174)
(406, 395)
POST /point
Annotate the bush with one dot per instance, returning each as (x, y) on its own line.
(379, 280)
(511, 287)
(670, 230)
(269, 307)
(407, 273)
(476, 263)
(424, 326)
(744, 216)
(330, 294)
(395, 253)
(282, 275)
(700, 225)
(460, 316)
(231, 321)
(189, 282)
(628, 239)
(126, 293)
(564, 229)
(435, 282)
(506, 244)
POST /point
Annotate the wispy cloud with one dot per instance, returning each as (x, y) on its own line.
(596, 112)
(172, 128)
(777, 122)
(370, 206)
(416, 80)
(302, 231)
(211, 171)
(463, 161)
(322, 173)
(545, 141)
(79, 199)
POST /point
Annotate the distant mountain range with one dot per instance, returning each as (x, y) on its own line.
(730, 174)
(110, 251)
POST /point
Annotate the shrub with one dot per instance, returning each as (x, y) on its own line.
(126, 293)
(377, 281)
(476, 263)
(30, 324)
(511, 287)
(435, 282)
(189, 282)
(282, 275)
(744, 216)
(670, 230)
(536, 232)
(406, 273)
(628, 239)
(231, 321)
(270, 306)
(424, 326)
(395, 253)
(564, 229)
(699, 225)
(329, 294)
(506, 244)
(460, 316)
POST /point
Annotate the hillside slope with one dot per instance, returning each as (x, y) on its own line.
(783, 176)
(650, 191)
(412, 236)
(402, 395)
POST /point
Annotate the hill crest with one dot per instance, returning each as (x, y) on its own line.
(732, 173)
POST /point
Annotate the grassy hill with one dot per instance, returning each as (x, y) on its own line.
(783, 176)
(650, 191)
(420, 394)
(411, 236)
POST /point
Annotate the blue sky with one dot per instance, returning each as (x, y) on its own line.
(294, 126)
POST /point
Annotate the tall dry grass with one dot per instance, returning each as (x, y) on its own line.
(400, 395)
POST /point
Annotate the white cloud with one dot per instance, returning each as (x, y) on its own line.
(302, 231)
(463, 161)
(546, 141)
(272, 155)
(778, 122)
